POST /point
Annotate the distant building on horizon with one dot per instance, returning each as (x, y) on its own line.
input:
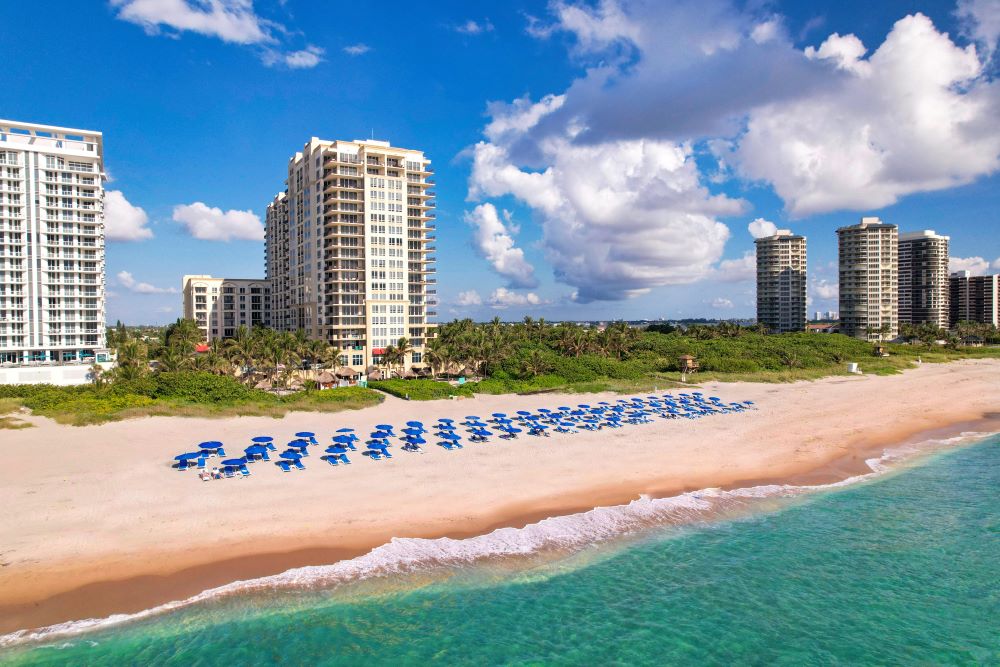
(52, 266)
(869, 279)
(923, 278)
(220, 306)
(350, 249)
(781, 281)
(974, 298)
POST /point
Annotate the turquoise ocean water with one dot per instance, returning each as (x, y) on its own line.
(901, 569)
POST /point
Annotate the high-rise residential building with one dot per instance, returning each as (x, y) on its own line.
(869, 280)
(276, 258)
(923, 278)
(974, 299)
(52, 295)
(354, 235)
(781, 281)
(221, 305)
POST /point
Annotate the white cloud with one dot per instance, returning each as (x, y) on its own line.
(824, 289)
(721, 303)
(619, 217)
(214, 224)
(916, 116)
(469, 298)
(760, 228)
(310, 56)
(981, 21)
(128, 281)
(122, 220)
(738, 270)
(977, 266)
(495, 242)
(471, 27)
(230, 20)
(504, 298)
(357, 49)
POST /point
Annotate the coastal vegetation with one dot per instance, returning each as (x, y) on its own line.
(265, 372)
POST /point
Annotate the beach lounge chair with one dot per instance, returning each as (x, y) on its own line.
(265, 456)
(244, 470)
(374, 454)
(228, 472)
(298, 464)
(221, 452)
(182, 465)
(343, 457)
(332, 460)
(285, 466)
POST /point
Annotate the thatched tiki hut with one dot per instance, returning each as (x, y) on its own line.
(326, 380)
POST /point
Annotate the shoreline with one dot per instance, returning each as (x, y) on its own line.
(48, 596)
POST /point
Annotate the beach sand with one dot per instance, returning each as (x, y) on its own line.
(96, 522)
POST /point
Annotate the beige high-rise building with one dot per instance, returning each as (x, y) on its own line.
(974, 299)
(869, 280)
(781, 281)
(221, 305)
(354, 234)
(923, 278)
(52, 267)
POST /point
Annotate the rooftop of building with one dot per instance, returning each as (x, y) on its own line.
(867, 223)
(922, 234)
(50, 136)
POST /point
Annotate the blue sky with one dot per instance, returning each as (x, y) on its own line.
(714, 113)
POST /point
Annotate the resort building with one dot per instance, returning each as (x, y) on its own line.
(221, 305)
(923, 278)
(354, 236)
(869, 280)
(974, 299)
(781, 281)
(52, 299)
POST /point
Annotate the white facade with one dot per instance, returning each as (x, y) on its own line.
(219, 306)
(869, 280)
(353, 234)
(52, 299)
(781, 281)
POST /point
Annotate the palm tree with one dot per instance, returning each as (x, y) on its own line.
(535, 364)
(132, 361)
(172, 360)
(402, 349)
(242, 350)
(437, 354)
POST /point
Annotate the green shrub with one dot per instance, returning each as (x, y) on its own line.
(202, 387)
(420, 390)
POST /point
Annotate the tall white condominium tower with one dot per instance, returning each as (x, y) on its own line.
(923, 278)
(869, 280)
(356, 249)
(781, 281)
(51, 244)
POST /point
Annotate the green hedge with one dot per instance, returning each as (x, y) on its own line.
(420, 390)
(202, 387)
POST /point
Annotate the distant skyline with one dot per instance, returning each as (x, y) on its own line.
(595, 160)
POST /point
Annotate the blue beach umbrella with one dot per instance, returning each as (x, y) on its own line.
(385, 427)
(255, 449)
(290, 455)
(211, 444)
(449, 435)
(234, 462)
(187, 456)
(336, 449)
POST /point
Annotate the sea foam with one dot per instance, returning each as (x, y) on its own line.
(559, 533)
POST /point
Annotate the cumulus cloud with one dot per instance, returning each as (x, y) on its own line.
(821, 288)
(357, 49)
(122, 220)
(977, 266)
(504, 298)
(980, 21)
(760, 228)
(128, 281)
(469, 298)
(306, 58)
(721, 303)
(471, 27)
(495, 243)
(214, 224)
(914, 117)
(619, 217)
(738, 270)
(827, 127)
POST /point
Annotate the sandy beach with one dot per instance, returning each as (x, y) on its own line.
(96, 522)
